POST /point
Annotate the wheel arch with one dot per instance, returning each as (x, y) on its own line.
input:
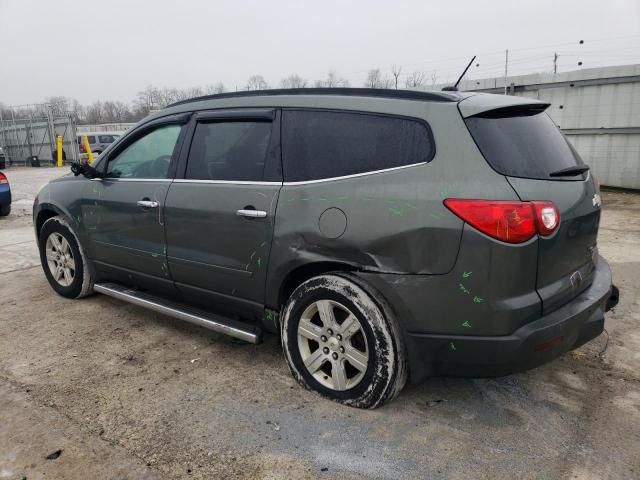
(304, 272)
(47, 211)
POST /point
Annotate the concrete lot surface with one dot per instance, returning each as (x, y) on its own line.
(126, 393)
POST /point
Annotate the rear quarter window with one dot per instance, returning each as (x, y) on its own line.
(325, 144)
(523, 144)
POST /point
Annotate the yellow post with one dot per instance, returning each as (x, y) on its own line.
(59, 151)
(88, 148)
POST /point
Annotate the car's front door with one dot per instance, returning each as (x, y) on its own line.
(123, 210)
(219, 216)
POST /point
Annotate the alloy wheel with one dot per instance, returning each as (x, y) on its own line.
(333, 345)
(60, 259)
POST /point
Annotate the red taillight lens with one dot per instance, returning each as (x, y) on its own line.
(508, 221)
(3, 178)
(82, 148)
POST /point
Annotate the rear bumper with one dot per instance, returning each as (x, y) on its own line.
(537, 342)
(5, 195)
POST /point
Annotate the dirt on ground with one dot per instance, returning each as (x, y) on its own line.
(101, 389)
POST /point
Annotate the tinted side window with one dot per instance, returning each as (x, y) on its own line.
(148, 156)
(106, 138)
(318, 144)
(92, 139)
(229, 151)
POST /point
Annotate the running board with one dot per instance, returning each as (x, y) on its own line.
(217, 323)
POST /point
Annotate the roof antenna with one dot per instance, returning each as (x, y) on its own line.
(454, 88)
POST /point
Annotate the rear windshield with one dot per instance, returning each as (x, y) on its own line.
(523, 144)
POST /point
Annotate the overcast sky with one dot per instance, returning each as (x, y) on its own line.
(108, 50)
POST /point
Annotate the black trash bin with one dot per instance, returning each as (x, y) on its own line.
(35, 162)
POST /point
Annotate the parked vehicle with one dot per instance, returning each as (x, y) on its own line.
(98, 141)
(5, 196)
(383, 234)
(3, 159)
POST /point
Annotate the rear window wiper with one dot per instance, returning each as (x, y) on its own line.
(570, 171)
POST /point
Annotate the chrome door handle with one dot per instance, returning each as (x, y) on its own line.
(148, 204)
(252, 213)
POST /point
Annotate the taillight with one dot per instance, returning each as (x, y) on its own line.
(547, 217)
(505, 220)
(82, 148)
(3, 178)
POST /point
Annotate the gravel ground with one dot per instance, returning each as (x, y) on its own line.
(126, 393)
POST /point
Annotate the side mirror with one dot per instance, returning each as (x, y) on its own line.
(84, 169)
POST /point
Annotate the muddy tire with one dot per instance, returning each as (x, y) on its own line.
(342, 340)
(63, 259)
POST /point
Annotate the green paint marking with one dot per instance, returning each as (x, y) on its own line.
(368, 199)
(453, 347)
(263, 244)
(395, 211)
(391, 202)
(466, 325)
(322, 199)
(305, 199)
(291, 200)
(444, 194)
(478, 300)
(464, 289)
(411, 206)
(259, 261)
(343, 197)
(247, 266)
(252, 255)
(434, 215)
(466, 274)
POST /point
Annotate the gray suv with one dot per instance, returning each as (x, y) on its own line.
(384, 235)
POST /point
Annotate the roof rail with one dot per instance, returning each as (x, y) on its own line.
(352, 92)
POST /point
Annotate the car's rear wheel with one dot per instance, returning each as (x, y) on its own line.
(63, 260)
(342, 343)
(5, 210)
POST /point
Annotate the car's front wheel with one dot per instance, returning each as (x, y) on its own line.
(63, 260)
(342, 343)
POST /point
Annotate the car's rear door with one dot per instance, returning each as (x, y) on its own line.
(524, 144)
(220, 214)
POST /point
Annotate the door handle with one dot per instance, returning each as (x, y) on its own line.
(148, 203)
(251, 213)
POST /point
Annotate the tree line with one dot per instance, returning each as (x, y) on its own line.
(154, 98)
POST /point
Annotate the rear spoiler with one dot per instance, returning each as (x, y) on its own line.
(499, 106)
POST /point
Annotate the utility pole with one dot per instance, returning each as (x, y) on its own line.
(506, 66)
(555, 63)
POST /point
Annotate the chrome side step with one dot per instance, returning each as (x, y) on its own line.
(217, 323)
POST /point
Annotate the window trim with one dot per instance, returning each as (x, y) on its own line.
(420, 120)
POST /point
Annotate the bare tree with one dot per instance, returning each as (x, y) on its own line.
(414, 80)
(60, 105)
(333, 80)
(95, 113)
(214, 88)
(373, 78)
(376, 80)
(396, 70)
(256, 82)
(293, 81)
(434, 78)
